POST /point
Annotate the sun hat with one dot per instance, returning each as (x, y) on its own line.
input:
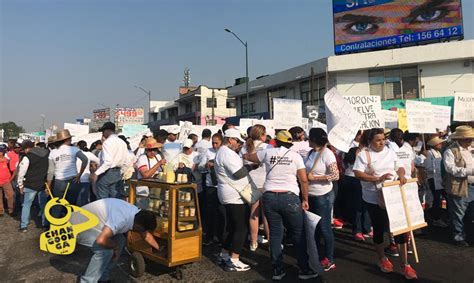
(463, 132)
(435, 141)
(152, 143)
(63, 135)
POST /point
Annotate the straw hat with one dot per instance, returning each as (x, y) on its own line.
(52, 139)
(63, 135)
(463, 132)
(152, 143)
(435, 141)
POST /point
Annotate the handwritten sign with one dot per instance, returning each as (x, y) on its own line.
(442, 116)
(287, 113)
(402, 120)
(463, 107)
(420, 117)
(186, 129)
(370, 108)
(343, 121)
(391, 119)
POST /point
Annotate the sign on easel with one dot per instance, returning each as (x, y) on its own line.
(404, 209)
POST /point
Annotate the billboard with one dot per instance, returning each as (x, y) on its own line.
(99, 117)
(129, 115)
(363, 25)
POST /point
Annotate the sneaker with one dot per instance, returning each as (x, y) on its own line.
(307, 274)
(236, 265)
(327, 265)
(409, 272)
(359, 237)
(253, 246)
(461, 243)
(23, 230)
(385, 265)
(278, 274)
(222, 258)
(261, 240)
(337, 223)
(440, 223)
(369, 235)
(392, 250)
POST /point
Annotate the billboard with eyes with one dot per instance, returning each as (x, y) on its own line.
(363, 25)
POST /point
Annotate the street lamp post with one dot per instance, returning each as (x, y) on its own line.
(149, 100)
(43, 116)
(246, 70)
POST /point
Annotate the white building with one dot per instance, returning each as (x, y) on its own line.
(427, 72)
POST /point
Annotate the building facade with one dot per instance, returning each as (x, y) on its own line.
(428, 71)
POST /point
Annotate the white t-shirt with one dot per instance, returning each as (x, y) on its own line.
(114, 213)
(285, 163)
(383, 162)
(302, 148)
(406, 156)
(87, 172)
(201, 149)
(64, 159)
(319, 188)
(258, 175)
(228, 162)
(147, 163)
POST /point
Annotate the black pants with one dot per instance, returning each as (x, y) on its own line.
(237, 226)
(379, 219)
(436, 208)
(216, 220)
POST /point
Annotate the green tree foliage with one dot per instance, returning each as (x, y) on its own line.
(11, 129)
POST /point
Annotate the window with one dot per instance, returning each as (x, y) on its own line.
(319, 89)
(230, 103)
(252, 107)
(211, 102)
(399, 83)
(188, 107)
(163, 115)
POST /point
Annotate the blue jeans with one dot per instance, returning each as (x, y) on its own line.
(59, 190)
(457, 207)
(110, 184)
(101, 262)
(361, 220)
(284, 209)
(322, 206)
(84, 194)
(28, 198)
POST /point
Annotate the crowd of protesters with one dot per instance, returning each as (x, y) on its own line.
(295, 171)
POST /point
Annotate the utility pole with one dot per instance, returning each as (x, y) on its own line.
(311, 87)
(213, 106)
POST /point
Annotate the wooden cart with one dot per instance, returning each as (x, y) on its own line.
(179, 231)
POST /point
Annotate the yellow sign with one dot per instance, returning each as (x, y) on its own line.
(402, 120)
(61, 237)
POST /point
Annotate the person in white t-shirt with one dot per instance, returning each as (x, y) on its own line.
(281, 201)
(63, 167)
(300, 144)
(150, 163)
(232, 177)
(106, 240)
(375, 165)
(255, 143)
(84, 194)
(404, 151)
(321, 166)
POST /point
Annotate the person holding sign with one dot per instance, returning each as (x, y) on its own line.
(375, 165)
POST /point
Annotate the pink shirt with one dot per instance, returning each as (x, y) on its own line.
(4, 171)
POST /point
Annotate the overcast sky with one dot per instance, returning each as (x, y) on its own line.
(66, 58)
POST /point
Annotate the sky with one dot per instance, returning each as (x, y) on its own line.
(62, 59)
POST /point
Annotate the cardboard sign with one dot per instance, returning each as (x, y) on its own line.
(76, 130)
(402, 120)
(186, 128)
(130, 130)
(442, 117)
(391, 119)
(463, 107)
(287, 113)
(343, 121)
(420, 117)
(370, 108)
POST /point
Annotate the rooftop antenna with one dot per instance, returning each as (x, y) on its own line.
(187, 77)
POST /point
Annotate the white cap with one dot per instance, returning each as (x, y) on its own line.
(174, 130)
(233, 133)
(188, 143)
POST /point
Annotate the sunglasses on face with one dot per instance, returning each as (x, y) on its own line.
(152, 149)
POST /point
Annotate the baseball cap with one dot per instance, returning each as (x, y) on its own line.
(188, 143)
(174, 130)
(284, 136)
(233, 133)
(107, 126)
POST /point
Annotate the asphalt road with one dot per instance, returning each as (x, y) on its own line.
(440, 261)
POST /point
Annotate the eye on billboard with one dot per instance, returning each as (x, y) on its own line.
(364, 25)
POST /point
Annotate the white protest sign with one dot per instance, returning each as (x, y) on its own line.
(311, 221)
(442, 116)
(135, 139)
(90, 138)
(186, 128)
(420, 117)
(343, 121)
(130, 130)
(396, 209)
(463, 107)
(245, 123)
(391, 119)
(287, 113)
(76, 130)
(370, 108)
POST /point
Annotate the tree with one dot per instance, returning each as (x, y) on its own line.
(11, 129)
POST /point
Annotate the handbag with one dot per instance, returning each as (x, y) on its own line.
(249, 194)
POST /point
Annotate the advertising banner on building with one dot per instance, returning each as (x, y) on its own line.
(464, 107)
(362, 25)
(370, 108)
(99, 117)
(129, 115)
